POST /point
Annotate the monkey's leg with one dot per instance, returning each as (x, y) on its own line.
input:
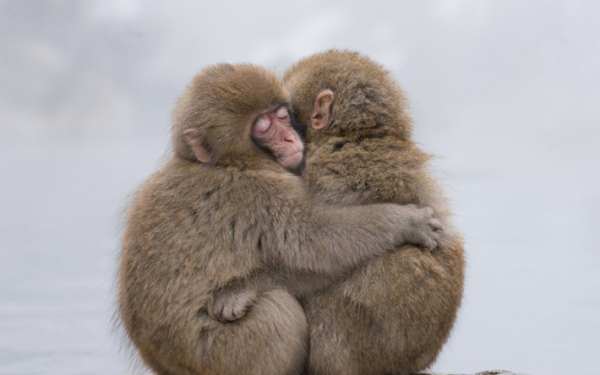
(271, 339)
(390, 317)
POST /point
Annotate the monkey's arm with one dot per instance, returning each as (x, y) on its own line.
(232, 301)
(335, 239)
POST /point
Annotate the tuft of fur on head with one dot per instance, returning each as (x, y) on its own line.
(220, 105)
(367, 101)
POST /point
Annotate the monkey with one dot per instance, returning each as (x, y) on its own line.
(227, 207)
(393, 315)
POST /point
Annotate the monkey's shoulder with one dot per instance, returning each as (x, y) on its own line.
(379, 169)
(214, 194)
(265, 195)
(177, 180)
(364, 151)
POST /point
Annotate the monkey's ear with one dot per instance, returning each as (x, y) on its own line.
(194, 139)
(319, 118)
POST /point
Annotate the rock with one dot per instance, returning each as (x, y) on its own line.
(492, 372)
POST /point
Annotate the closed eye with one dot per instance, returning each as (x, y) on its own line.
(282, 113)
(262, 124)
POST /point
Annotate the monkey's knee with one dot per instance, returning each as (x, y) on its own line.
(272, 339)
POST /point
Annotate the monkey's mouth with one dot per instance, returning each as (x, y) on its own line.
(293, 154)
(291, 160)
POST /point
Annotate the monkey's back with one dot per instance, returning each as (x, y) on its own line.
(375, 170)
(191, 228)
(401, 306)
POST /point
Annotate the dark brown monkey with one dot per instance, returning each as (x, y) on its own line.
(225, 208)
(394, 315)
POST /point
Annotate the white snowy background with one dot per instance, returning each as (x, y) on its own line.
(506, 93)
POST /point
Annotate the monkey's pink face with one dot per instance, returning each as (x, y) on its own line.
(274, 131)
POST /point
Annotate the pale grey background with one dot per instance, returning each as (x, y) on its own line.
(507, 93)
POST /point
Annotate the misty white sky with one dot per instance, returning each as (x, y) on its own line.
(506, 92)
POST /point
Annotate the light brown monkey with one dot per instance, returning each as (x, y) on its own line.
(224, 209)
(394, 315)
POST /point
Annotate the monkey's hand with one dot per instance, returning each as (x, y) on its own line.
(229, 306)
(420, 227)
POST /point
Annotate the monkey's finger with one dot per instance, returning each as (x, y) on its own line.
(431, 244)
(232, 312)
(234, 315)
(236, 311)
(214, 310)
(221, 314)
(239, 314)
(436, 225)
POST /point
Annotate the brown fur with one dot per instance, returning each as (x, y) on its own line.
(194, 228)
(394, 315)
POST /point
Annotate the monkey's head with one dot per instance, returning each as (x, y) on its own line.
(236, 113)
(343, 93)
